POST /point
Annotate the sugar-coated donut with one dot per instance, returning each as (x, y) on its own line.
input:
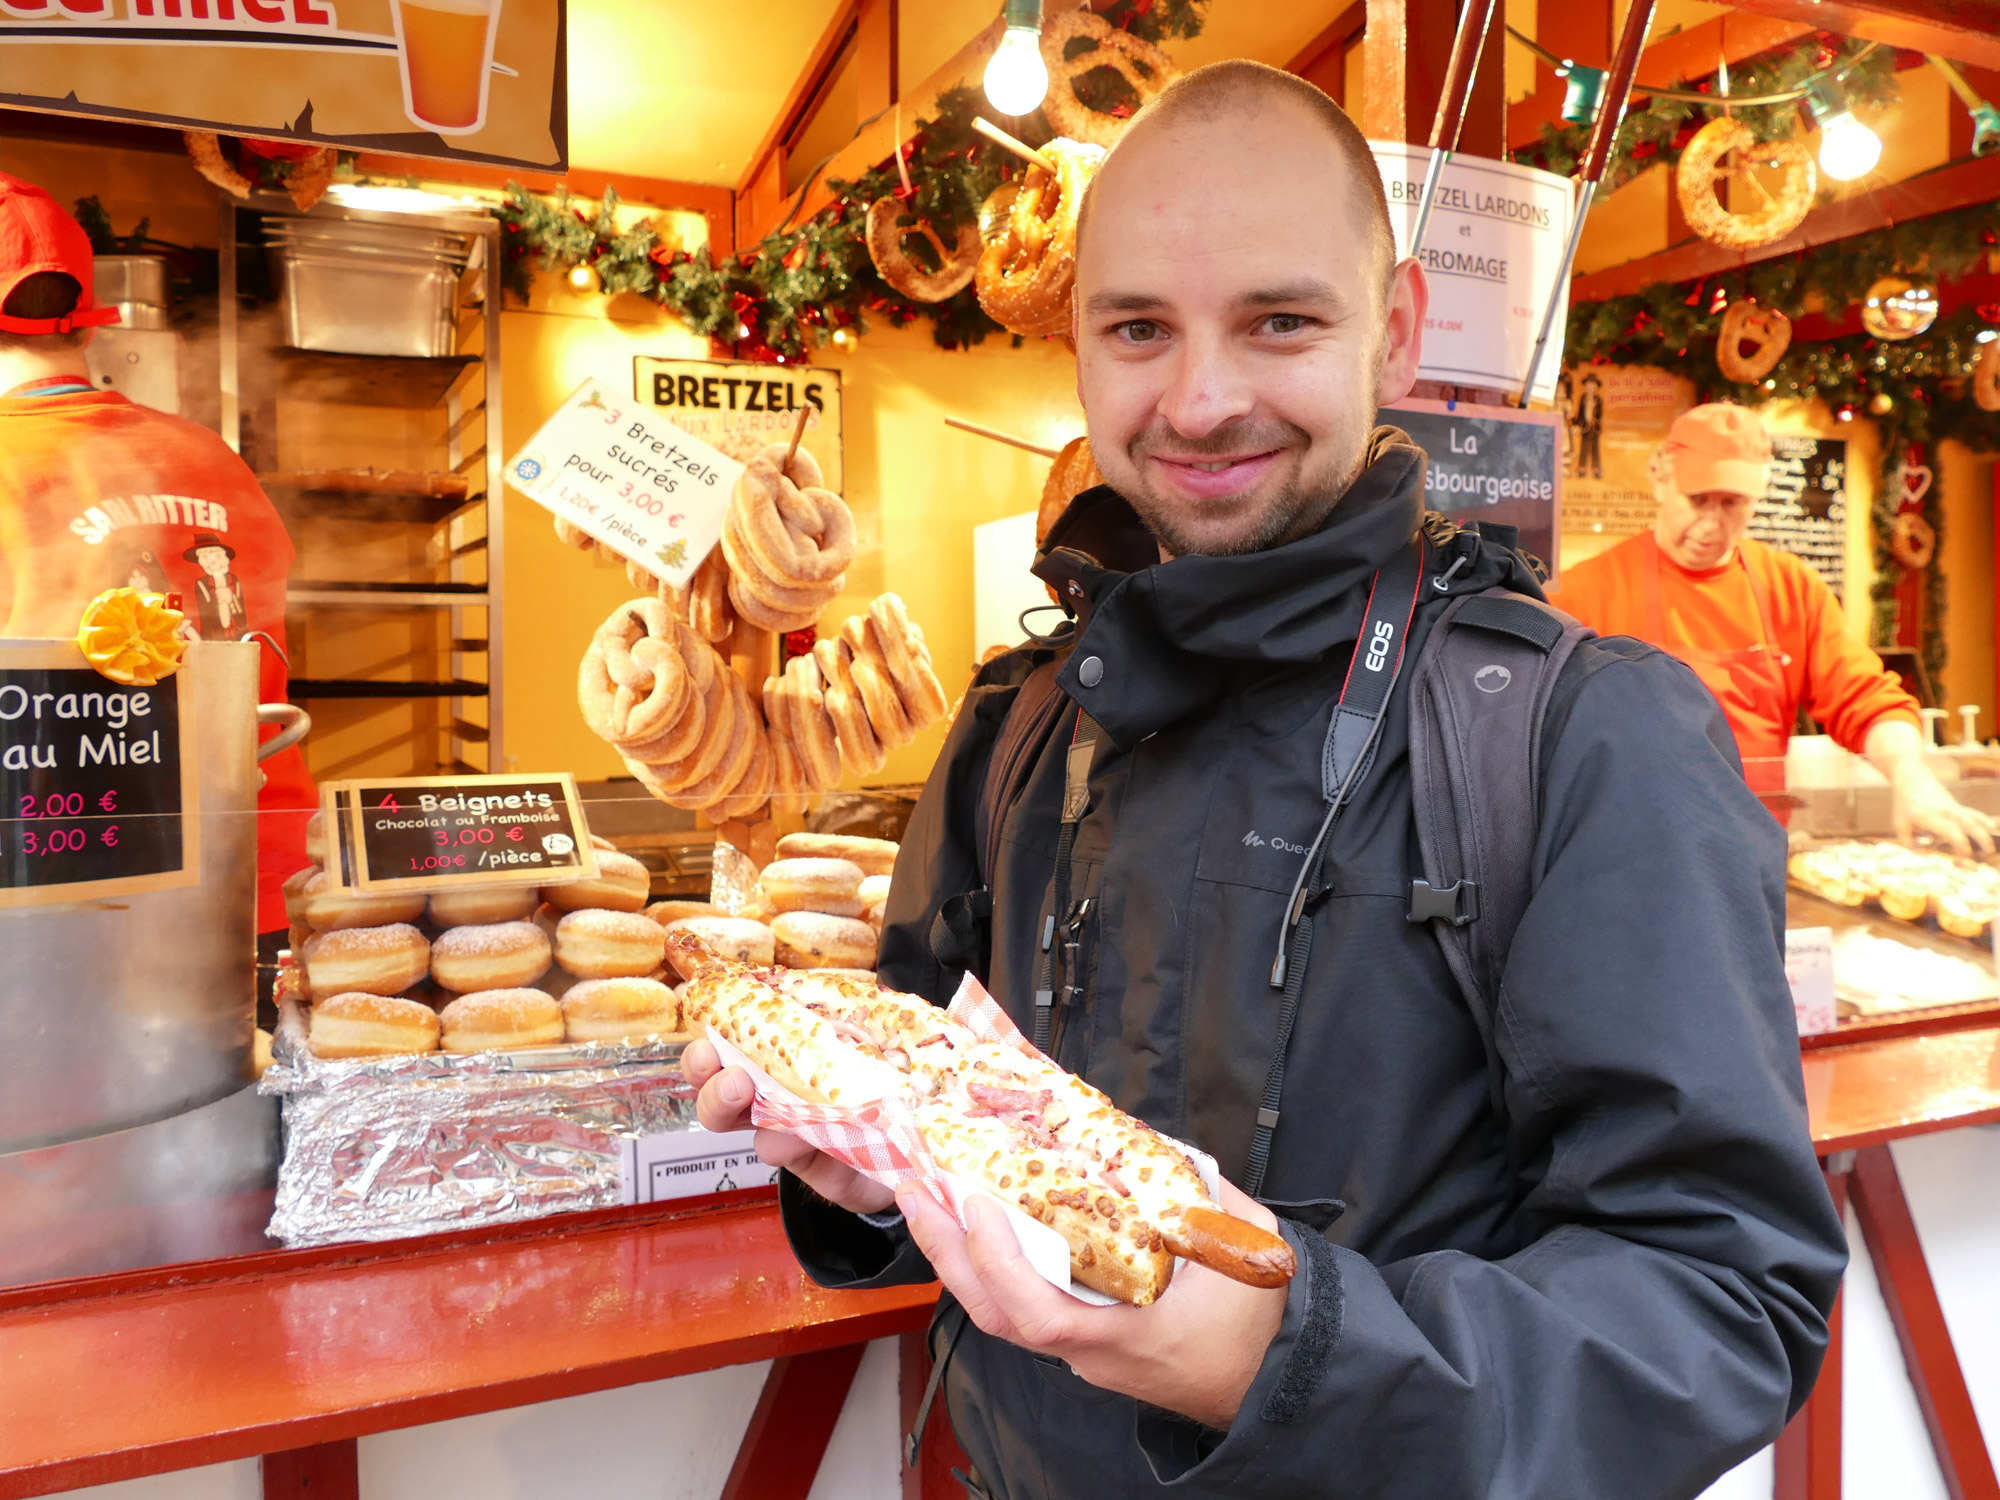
(814, 940)
(357, 1024)
(664, 912)
(826, 885)
(328, 908)
(735, 938)
(622, 884)
(378, 960)
(875, 856)
(497, 956)
(479, 905)
(619, 1010)
(610, 944)
(501, 1021)
(874, 895)
(294, 892)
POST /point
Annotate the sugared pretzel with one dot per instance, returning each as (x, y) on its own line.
(1028, 266)
(633, 685)
(1700, 164)
(1142, 65)
(1753, 339)
(708, 599)
(956, 266)
(572, 535)
(795, 534)
(1073, 472)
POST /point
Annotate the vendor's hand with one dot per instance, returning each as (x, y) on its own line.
(1922, 805)
(1195, 1351)
(724, 1104)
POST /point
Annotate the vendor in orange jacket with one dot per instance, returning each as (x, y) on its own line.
(1760, 628)
(98, 493)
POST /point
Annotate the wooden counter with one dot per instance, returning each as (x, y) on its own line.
(148, 1372)
(135, 1374)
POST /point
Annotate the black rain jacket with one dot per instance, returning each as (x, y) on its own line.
(1615, 1286)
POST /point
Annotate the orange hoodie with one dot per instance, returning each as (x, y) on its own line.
(1841, 683)
(98, 493)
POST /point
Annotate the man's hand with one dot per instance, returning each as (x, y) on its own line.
(724, 1104)
(1922, 805)
(1195, 1351)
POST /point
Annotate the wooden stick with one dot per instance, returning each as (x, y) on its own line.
(798, 432)
(1001, 437)
(1000, 137)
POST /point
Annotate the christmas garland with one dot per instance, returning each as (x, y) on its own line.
(781, 299)
(1917, 389)
(1654, 133)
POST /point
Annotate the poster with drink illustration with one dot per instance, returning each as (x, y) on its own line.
(475, 80)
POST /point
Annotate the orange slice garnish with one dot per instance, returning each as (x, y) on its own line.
(132, 637)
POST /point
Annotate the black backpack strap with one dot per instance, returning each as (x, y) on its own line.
(1037, 708)
(1478, 696)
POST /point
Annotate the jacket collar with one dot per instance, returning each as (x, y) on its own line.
(1166, 636)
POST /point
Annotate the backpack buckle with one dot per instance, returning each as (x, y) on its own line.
(1457, 903)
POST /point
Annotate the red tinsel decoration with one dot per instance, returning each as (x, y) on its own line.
(1693, 298)
(741, 304)
(797, 642)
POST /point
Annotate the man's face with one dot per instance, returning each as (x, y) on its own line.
(1234, 335)
(212, 560)
(1698, 531)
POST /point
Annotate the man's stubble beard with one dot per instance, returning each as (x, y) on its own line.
(1298, 509)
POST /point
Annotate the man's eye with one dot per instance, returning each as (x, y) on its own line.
(1138, 331)
(1284, 323)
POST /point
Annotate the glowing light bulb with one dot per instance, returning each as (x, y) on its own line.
(1016, 79)
(583, 278)
(840, 337)
(1847, 148)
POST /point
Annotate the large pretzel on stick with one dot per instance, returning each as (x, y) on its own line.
(1142, 65)
(1028, 266)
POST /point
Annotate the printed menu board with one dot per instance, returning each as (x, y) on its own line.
(426, 833)
(97, 779)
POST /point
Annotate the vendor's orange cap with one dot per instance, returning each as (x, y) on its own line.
(37, 236)
(1719, 447)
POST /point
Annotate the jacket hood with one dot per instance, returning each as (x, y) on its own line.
(1167, 636)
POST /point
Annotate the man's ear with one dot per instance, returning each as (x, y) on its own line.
(1409, 297)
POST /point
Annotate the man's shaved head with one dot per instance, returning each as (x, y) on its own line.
(1229, 88)
(1239, 311)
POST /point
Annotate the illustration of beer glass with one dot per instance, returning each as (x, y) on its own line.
(446, 47)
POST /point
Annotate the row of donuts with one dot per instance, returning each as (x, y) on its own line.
(818, 905)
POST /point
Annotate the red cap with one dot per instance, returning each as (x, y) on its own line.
(1719, 447)
(36, 236)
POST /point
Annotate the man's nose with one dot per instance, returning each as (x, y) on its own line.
(1207, 389)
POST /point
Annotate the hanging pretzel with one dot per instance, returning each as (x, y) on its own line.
(1753, 339)
(204, 149)
(1029, 263)
(1695, 182)
(1912, 541)
(1142, 65)
(956, 266)
(1986, 378)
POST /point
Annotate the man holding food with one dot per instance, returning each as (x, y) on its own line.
(1584, 1253)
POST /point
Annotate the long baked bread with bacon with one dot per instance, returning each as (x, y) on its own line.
(1123, 1197)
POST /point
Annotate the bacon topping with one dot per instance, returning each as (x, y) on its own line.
(992, 1099)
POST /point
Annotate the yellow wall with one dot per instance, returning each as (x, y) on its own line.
(917, 488)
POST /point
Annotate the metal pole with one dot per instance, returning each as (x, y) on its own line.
(1466, 45)
(1603, 135)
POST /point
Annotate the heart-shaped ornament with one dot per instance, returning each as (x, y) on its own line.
(1916, 484)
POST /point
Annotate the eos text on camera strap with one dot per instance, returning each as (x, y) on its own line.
(1351, 738)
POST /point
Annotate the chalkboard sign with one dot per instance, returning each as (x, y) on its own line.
(96, 779)
(1804, 509)
(425, 833)
(1488, 463)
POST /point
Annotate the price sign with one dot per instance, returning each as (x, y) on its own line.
(634, 481)
(95, 779)
(426, 833)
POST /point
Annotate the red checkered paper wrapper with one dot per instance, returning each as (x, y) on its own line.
(880, 1139)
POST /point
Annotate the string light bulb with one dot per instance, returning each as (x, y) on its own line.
(1847, 148)
(1017, 80)
(583, 278)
